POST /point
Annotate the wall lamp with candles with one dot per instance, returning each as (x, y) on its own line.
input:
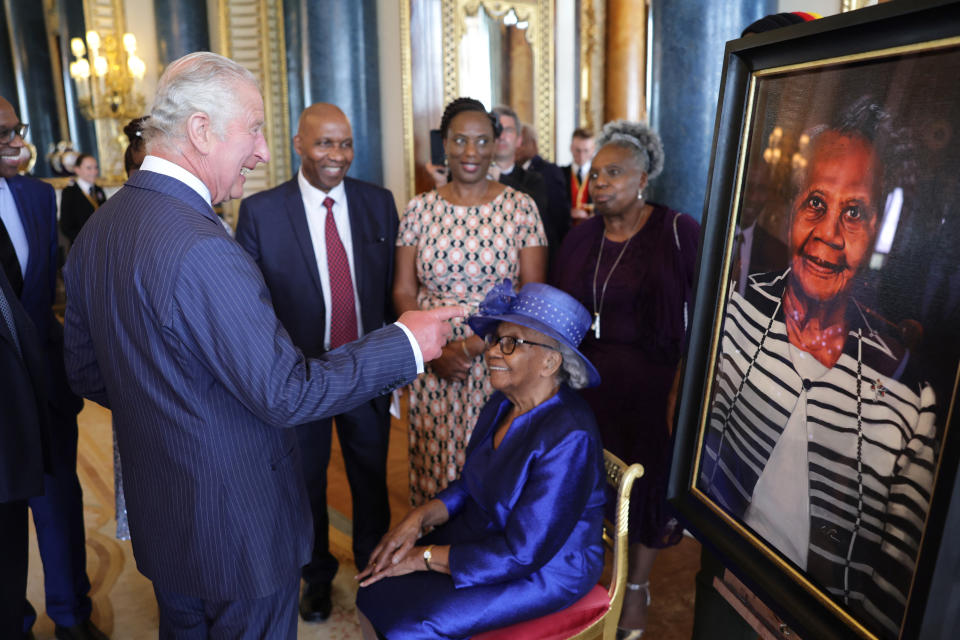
(108, 76)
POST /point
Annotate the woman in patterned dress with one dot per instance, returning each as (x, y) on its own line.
(454, 243)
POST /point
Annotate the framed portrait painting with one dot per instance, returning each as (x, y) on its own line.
(816, 451)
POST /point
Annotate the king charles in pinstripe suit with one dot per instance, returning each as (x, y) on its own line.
(169, 324)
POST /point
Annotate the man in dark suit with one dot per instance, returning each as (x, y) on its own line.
(170, 324)
(556, 218)
(755, 249)
(285, 230)
(79, 200)
(28, 248)
(22, 415)
(505, 167)
(576, 174)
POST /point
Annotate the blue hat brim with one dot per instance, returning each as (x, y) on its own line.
(483, 325)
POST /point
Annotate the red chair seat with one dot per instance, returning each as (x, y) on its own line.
(558, 625)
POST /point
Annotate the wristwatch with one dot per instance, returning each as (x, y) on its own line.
(428, 556)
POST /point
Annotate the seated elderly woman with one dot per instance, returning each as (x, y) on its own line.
(519, 534)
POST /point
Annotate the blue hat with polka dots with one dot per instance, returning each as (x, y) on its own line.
(539, 307)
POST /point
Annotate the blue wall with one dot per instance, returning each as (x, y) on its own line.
(686, 63)
(28, 44)
(182, 28)
(337, 62)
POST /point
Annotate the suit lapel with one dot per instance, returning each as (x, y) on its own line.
(297, 215)
(31, 226)
(359, 222)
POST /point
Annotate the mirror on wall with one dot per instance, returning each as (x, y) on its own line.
(496, 60)
(497, 52)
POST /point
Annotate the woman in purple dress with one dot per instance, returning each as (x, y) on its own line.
(632, 266)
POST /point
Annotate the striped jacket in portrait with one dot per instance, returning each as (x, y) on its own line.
(869, 411)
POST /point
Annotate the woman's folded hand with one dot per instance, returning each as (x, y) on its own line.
(411, 560)
(394, 545)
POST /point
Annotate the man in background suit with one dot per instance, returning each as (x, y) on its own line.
(22, 418)
(505, 167)
(169, 324)
(286, 231)
(577, 173)
(28, 250)
(558, 204)
(79, 200)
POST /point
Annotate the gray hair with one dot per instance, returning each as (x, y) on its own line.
(504, 110)
(572, 371)
(867, 119)
(640, 139)
(198, 82)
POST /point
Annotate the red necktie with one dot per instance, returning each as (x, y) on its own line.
(343, 311)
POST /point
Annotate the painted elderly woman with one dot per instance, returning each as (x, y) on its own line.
(821, 439)
(519, 534)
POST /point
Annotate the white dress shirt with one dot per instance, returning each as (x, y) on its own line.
(746, 246)
(11, 220)
(780, 508)
(582, 172)
(167, 168)
(316, 221)
(84, 186)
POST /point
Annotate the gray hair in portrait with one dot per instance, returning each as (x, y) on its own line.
(199, 82)
(572, 371)
(865, 118)
(639, 138)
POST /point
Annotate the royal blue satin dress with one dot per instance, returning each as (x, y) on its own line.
(524, 529)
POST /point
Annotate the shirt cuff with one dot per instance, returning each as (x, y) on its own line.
(413, 344)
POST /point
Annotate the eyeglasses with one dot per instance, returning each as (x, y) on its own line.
(508, 344)
(7, 135)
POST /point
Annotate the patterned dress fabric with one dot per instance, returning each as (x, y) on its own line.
(461, 253)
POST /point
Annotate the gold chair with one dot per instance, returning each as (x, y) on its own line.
(595, 615)
(621, 477)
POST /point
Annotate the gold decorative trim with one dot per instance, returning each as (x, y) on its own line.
(853, 5)
(406, 90)
(860, 57)
(452, 32)
(545, 91)
(252, 34)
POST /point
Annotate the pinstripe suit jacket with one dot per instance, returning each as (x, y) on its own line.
(169, 323)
